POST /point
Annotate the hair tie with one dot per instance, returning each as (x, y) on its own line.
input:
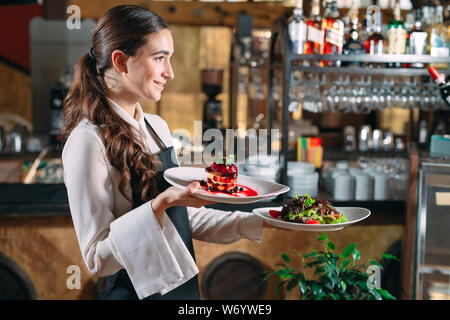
(91, 53)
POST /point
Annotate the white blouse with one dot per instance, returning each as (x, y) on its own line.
(113, 236)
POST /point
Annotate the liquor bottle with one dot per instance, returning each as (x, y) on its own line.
(418, 39)
(375, 43)
(396, 34)
(423, 135)
(439, 38)
(297, 29)
(353, 46)
(314, 38)
(409, 24)
(444, 85)
(333, 29)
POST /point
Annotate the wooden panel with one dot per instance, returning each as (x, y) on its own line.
(194, 13)
(409, 237)
(15, 95)
(44, 248)
(372, 241)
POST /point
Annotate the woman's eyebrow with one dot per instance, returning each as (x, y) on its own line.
(161, 52)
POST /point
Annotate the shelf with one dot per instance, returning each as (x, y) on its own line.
(380, 58)
(339, 154)
(367, 70)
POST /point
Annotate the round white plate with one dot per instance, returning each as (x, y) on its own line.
(182, 176)
(353, 215)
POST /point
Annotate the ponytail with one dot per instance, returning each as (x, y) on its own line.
(125, 27)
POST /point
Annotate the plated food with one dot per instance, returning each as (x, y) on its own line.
(304, 213)
(222, 175)
(304, 209)
(222, 178)
(221, 183)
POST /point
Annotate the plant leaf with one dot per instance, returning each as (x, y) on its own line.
(331, 245)
(323, 236)
(356, 255)
(345, 262)
(343, 285)
(385, 294)
(303, 287)
(389, 256)
(348, 250)
(291, 284)
(285, 257)
(316, 289)
(376, 263)
(312, 254)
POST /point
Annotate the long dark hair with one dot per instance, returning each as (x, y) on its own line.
(122, 28)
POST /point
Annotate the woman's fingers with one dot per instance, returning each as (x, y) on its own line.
(190, 189)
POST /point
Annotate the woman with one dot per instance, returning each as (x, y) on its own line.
(134, 230)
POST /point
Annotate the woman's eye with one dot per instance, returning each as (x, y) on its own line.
(159, 58)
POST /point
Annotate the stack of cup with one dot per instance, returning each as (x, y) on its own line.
(302, 179)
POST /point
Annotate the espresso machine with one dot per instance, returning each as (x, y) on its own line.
(212, 80)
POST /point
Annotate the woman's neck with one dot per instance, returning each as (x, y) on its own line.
(129, 104)
(119, 95)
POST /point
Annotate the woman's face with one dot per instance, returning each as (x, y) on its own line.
(150, 68)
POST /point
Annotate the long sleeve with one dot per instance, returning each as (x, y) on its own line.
(155, 258)
(219, 226)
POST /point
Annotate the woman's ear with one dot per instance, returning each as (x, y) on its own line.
(119, 61)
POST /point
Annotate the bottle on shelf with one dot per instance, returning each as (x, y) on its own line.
(444, 85)
(297, 29)
(353, 46)
(396, 31)
(409, 24)
(314, 38)
(418, 39)
(375, 43)
(333, 29)
(423, 135)
(439, 37)
(427, 17)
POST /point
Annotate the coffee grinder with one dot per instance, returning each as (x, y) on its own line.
(212, 109)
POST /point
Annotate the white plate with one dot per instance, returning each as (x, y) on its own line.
(353, 215)
(182, 176)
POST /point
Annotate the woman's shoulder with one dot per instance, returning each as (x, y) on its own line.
(85, 127)
(84, 133)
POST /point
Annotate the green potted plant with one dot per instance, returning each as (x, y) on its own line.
(336, 276)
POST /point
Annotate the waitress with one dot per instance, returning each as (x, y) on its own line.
(134, 230)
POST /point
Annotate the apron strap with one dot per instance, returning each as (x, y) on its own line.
(158, 139)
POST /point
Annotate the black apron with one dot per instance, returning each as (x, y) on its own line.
(118, 286)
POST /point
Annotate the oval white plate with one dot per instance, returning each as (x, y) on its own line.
(182, 176)
(353, 215)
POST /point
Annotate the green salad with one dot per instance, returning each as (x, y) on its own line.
(304, 209)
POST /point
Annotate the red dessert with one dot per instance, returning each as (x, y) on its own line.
(222, 175)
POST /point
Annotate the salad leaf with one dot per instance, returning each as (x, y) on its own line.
(309, 201)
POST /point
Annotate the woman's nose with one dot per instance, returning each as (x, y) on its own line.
(168, 72)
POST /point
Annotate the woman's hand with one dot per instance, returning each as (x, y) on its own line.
(173, 197)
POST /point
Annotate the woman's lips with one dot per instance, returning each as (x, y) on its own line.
(159, 84)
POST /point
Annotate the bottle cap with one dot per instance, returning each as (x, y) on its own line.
(436, 75)
(315, 142)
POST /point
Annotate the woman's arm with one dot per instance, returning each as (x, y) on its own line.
(219, 226)
(155, 258)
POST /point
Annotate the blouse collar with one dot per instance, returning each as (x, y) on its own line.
(137, 122)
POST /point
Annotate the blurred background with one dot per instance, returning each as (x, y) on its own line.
(366, 125)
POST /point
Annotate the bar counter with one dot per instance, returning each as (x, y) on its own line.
(41, 200)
